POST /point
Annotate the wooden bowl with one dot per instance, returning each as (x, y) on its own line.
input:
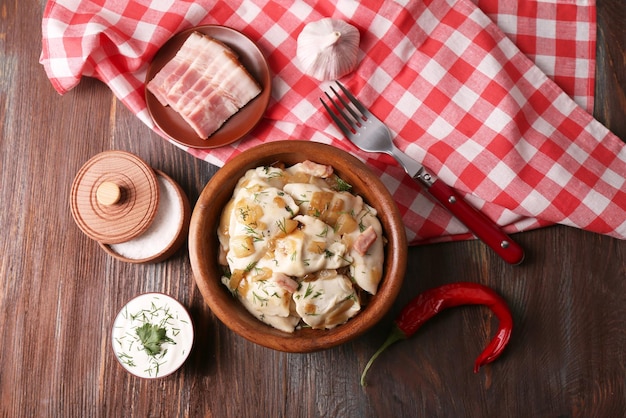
(203, 245)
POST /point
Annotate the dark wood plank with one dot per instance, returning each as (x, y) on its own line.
(60, 292)
(610, 92)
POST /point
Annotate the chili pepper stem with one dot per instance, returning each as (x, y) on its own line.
(395, 335)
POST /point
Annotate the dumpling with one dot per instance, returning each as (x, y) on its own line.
(327, 301)
(310, 248)
(264, 295)
(367, 261)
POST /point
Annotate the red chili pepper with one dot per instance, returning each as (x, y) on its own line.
(433, 301)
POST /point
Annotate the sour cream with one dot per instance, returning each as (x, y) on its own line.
(159, 311)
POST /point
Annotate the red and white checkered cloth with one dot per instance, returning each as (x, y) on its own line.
(469, 98)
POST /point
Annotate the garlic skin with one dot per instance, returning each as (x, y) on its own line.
(328, 49)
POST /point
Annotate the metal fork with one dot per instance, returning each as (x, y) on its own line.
(370, 134)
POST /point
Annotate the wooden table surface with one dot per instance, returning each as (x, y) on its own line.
(60, 291)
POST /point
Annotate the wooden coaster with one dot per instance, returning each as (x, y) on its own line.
(114, 197)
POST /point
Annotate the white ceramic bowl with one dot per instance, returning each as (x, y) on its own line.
(148, 313)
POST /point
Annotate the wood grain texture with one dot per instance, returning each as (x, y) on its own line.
(59, 292)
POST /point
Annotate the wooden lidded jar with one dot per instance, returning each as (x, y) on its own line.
(135, 213)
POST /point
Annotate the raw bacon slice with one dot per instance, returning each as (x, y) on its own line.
(175, 68)
(205, 83)
(210, 83)
(208, 58)
(227, 92)
(210, 114)
(215, 69)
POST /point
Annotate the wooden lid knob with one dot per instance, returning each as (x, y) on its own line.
(108, 193)
(115, 196)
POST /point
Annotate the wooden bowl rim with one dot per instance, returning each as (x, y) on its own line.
(202, 234)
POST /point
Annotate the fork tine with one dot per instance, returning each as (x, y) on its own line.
(351, 122)
(353, 99)
(346, 131)
(347, 106)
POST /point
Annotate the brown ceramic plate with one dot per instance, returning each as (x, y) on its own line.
(239, 124)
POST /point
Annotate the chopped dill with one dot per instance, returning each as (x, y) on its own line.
(342, 185)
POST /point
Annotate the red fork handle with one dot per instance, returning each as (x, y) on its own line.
(481, 226)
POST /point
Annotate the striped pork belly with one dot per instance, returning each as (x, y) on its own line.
(175, 68)
(208, 60)
(222, 66)
(205, 83)
(219, 102)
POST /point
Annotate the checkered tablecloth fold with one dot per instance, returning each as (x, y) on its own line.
(492, 95)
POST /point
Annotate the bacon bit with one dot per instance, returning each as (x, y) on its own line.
(365, 240)
(318, 170)
(286, 282)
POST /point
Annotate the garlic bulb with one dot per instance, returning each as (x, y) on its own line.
(328, 48)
